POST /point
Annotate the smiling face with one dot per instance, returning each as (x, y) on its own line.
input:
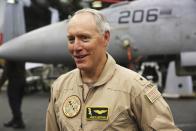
(86, 45)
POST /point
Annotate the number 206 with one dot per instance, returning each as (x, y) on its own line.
(138, 16)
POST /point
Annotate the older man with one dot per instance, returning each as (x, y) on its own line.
(100, 95)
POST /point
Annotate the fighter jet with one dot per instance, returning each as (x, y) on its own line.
(160, 30)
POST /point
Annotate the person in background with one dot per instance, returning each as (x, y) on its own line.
(14, 72)
(100, 95)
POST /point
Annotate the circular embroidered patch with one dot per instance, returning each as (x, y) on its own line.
(72, 106)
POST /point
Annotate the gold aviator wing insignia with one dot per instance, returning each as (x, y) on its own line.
(100, 111)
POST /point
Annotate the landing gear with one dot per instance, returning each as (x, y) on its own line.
(152, 72)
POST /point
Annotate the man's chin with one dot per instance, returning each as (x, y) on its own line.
(81, 67)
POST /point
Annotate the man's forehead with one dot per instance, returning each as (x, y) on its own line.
(82, 17)
(82, 22)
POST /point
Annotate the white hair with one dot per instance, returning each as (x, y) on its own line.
(101, 21)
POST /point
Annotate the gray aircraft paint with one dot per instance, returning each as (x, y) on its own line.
(152, 27)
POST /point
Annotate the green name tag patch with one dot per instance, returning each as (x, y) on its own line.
(97, 113)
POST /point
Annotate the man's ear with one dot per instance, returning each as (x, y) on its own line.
(106, 38)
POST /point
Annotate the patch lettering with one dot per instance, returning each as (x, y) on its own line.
(97, 113)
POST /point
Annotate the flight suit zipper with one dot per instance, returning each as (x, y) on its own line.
(85, 99)
(88, 94)
(83, 105)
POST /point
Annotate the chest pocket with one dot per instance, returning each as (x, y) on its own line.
(121, 122)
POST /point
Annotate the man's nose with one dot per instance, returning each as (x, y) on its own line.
(77, 44)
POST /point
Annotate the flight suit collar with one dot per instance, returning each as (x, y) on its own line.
(106, 74)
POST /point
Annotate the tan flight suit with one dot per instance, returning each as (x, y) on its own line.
(121, 100)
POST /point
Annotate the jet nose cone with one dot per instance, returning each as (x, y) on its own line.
(47, 44)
